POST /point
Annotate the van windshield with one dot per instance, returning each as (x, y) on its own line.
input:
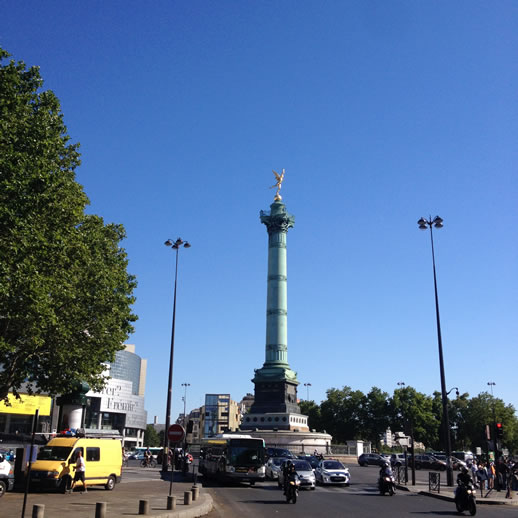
(54, 453)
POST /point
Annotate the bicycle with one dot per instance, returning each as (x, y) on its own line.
(148, 463)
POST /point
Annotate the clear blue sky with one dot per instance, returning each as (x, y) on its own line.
(380, 112)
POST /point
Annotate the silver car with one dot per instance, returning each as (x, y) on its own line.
(304, 472)
(273, 467)
(332, 472)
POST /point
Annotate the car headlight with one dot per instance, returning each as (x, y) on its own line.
(231, 469)
(261, 470)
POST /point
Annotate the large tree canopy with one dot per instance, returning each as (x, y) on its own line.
(65, 294)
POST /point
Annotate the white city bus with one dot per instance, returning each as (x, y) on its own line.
(233, 457)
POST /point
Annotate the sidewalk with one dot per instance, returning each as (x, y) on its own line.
(447, 493)
(122, 502)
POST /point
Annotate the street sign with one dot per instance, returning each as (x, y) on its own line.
(175, 433)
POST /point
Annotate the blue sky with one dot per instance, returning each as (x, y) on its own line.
(380, 112)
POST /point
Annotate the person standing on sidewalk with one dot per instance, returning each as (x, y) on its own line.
(80, 471)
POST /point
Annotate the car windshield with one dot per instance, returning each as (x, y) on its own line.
(54, 453)
(333, 464)
(277, 460)
(302, 465)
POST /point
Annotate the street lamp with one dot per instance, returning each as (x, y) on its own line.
(176, 245)
(423, 225)
(307, 385)
(492, 384)
(185, 385)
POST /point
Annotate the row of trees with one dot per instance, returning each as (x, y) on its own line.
(350, 414)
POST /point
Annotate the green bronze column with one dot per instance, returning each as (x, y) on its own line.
(277, 222)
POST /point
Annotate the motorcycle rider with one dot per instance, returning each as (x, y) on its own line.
(287, 470)
(463, 480)
(385, 471)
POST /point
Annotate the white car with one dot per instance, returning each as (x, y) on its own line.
(304, 472)
(332, 472)
(273, 467)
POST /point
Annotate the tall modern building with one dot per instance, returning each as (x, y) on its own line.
(120, 405)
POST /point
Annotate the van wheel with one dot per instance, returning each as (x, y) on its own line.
(65, 484)
(3, 488)
(110, 484)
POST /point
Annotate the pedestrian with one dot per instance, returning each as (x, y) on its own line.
(482, 475)
(491, 475)
(80, 471)
(511, 477)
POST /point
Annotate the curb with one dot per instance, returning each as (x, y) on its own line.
(196, 511)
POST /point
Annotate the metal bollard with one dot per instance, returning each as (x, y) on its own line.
(195, 490)
(187, 497)
(38, 511)
(100, 509)
(143, 507)
(171, 503)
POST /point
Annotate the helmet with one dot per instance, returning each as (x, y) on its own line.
(386, 464)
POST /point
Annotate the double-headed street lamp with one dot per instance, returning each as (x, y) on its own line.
(307, 385)
(185, 385)
(424, 224)
(176, 245)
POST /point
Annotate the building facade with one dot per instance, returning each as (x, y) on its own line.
(120, 405)
(220, 414)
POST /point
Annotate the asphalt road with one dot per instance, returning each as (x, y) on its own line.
(360, 499)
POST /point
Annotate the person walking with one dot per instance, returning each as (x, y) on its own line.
(482, 476)
(80, 468)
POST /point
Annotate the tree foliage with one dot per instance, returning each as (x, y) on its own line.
(65, 294)
(151, 437)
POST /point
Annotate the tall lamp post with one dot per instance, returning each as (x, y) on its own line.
(307, 385)
(423, 225)
(185, 385)
(495, 439)
(175, 245)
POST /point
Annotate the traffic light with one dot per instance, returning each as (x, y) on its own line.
(499, 431)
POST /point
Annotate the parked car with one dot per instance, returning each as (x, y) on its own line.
(279, 452)
(273, 467)
(397, 459)
(332, 472)
(427, 462)
(304, 472)
(366, 459)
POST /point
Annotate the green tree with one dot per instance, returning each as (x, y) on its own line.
(483, 410)
(65, 294)
(151, 437)
(312, 410)
(412, 409)
(343, 414)
(376, 415)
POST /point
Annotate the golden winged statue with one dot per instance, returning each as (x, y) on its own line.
(278, 184)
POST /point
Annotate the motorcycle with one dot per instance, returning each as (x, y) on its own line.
(292, 488)
(465, 499)
(387, 484)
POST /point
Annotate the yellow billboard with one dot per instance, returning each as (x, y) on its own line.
(26, 405)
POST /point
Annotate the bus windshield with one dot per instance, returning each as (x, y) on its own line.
(54, 453)
(246, 453)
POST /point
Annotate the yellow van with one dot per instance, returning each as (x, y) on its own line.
(54, 467)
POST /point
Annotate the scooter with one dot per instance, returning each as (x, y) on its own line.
(465, 499)
(292, 488)
(387, 484)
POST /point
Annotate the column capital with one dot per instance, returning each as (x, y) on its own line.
(277, 219)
